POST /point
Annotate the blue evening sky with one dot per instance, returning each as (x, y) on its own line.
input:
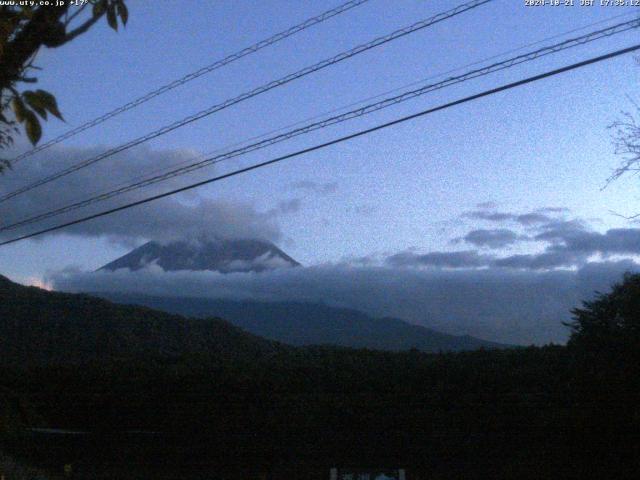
(541, 145)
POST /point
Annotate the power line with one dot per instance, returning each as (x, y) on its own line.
(257, 91)
(360, 133)
(367, 99)
(336, 119)
(192, 76)
(365, 110)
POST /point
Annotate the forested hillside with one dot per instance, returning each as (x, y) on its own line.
(40, 327)
(212, 397)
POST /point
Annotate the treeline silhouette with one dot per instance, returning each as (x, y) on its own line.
(167, 397)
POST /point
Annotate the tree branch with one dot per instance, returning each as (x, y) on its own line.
(82, 28)
(27, 42)
(70, 18)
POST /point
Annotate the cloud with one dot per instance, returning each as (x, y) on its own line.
(526, 219)
(573, 237)
(614, 241)
(286, 207)
(183, 216)
(532, 218)
(263, 262)
(547, 260)
(540, 261)
(567, 244)
(553, 210)
(518, 298)
(171, 220)
(487, 212)
(494, 238)
(513, 306)
(560, 230)
(462, 259)
(489, 216)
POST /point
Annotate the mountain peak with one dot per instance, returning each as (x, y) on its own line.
(222, 255)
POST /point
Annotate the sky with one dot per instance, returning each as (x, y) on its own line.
(507, 185)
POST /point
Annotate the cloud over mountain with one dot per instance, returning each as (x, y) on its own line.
(185, 216)
(517, 283)
(506, 305)
(222, 255)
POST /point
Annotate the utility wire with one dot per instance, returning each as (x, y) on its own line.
(192, 76)
(365, 110)
(247, 95)
(359, 102)
(360, 133)
(364, 100)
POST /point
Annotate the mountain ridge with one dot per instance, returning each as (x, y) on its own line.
(223, 255)
(306, 324)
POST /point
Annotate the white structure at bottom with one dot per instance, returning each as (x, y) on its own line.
(339, 474)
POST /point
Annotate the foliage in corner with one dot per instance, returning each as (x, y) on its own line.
(610, 322)
(24, 29)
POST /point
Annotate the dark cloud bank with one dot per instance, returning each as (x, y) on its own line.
(504, 305)
(184, 216)
(483, 289)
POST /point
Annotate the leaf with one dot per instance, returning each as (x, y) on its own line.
(33, 128)
(123, 11)
(49, 102)
(26, 12)
(98, 8)
(112, 19)
(35, 102)
(4, 165)
(19, 109)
